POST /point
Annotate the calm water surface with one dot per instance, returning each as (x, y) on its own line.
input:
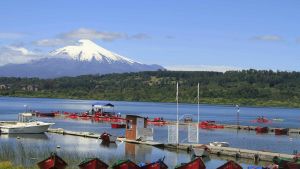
(10, 107)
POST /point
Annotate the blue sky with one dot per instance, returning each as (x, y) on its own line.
(189, 35)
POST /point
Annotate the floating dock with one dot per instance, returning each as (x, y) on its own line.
(219, 151)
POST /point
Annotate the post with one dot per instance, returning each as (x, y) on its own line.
(177, 140)
(198, 113)
(238, 117)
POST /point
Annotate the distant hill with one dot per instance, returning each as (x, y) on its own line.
(82, 59)
(248, 87)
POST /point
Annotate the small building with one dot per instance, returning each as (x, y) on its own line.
(136, 128)
(3, 87)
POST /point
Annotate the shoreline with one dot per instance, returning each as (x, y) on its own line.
(181, 103)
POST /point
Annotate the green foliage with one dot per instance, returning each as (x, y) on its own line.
(247, 87)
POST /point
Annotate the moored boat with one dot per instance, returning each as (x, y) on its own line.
(118, 125)
(108, 138)
(209, 124)
(93, 163)
(50, 114)
(230, 165)
(196, 163)
(261, 119)
(125, 164)
(157, 121)
(27, 124)
(284, 131)
(52, 162)
(262, 129)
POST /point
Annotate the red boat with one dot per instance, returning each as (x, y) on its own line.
(108, 138)
(210, 125)
(262, 129)
(93, 163)
(73, 116)
(230, 165)
(118, 125)
(197, 163)
(261, 120)
(282, 131)
(157, 121)
(293, 165)
(155, 165)
(125, 164)
(52, 162)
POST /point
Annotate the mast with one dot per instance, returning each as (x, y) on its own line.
(177, 115)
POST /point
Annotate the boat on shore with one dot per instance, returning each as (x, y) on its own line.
(52, 162)
(230, 165)
(93, 163)
(159, 164)
(196, 163)
(125, 164)
(27, 124)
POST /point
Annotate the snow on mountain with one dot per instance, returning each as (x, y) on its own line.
(87, 50)
(82, 59)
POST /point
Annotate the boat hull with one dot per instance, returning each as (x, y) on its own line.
(194, 164)
(230, 165)
(25, 129)
(93, 164)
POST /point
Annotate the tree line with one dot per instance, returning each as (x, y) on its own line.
(246, 87)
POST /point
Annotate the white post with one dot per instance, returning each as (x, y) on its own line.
(238, 117)
(198, 114)
(177, 140)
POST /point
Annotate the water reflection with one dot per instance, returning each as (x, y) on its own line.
(41, 136)
(104, 144)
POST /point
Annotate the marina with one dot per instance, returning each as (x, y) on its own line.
(240, 148)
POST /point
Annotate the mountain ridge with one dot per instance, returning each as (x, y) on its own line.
(84, 59)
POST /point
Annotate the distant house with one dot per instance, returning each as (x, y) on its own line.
(30, 88)
(3, 87)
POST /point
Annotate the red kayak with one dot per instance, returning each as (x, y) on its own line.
(125, 164)
(230, 165)
(210, 125)
(158, 121)
(93, 163)
(197, 163)
(261, 120)
(52, 162)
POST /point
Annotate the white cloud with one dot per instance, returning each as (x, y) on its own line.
(11, 35)
(268, 38)
(53, 42)
(16, 55)
(84, 33)
(69, 38)
(221, 68)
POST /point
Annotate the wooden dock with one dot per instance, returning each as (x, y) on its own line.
(219, 151)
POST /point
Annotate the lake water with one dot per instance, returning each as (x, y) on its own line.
(10, 107)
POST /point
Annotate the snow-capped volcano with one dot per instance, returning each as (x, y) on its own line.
(82, 59)
(87, 50)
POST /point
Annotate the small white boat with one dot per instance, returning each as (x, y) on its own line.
(219, 144)
(27, 124)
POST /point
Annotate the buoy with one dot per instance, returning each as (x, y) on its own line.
(57, 146)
